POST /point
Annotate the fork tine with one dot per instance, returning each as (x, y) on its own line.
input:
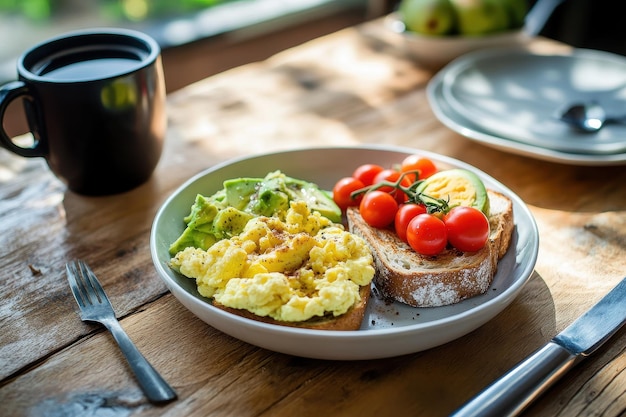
(92, 284)
(76, 287)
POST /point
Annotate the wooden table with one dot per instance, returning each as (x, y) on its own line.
(348, 88)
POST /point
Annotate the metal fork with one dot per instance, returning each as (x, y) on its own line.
(96, 307)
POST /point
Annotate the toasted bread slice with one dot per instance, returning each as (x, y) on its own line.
(447, 278)
(350, 320)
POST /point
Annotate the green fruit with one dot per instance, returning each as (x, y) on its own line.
(317, 199)
(267, 195)
(479, 17)
(458, 187)
(517, 12)
(428, 17)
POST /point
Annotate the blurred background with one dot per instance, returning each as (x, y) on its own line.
(189, 29)
(198, 37)
(202, 37)
(207, 27)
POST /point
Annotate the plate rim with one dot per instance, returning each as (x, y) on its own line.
(500, 301)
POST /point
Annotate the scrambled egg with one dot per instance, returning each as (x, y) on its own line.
(290, 269)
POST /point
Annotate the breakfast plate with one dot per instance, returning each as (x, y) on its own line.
(467, 127)
(518, 94)
(388, 329)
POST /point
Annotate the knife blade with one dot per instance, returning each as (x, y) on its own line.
(512, 393)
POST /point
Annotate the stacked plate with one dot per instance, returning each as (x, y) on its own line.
(510, 99)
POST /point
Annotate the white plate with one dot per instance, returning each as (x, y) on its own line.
(518, 95)
(388, 329)
(463, 126)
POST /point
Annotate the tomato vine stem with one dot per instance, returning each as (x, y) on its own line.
(433, 205)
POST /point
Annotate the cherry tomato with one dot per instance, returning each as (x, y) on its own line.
(415, 162)
(467, 227)
(391, 175)
(342, 192)
(404, 215)
(378, 208)
(427, 234)
(366, 173)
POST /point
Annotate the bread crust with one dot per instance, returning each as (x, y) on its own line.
(350, 320)
(447, 278)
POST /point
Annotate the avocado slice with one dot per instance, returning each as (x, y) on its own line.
(239, 190)
(230, 222)
(199, 230)
(317, 199)
(266, 196)
(269, 200)
(225, 213)
(459, 187)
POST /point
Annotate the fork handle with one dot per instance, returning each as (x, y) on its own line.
(154, 386)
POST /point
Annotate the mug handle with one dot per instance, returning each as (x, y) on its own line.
(8, 93)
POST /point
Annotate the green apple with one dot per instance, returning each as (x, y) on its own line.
(479, 17)
(517, 12)
(428, 17)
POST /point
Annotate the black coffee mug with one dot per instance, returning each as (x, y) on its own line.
(95, 104)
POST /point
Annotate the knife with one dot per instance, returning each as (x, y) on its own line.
(513, 392)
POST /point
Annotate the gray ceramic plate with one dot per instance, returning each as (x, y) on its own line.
(517, 95)
(467, 127)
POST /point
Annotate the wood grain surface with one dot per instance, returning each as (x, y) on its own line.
(351, 87)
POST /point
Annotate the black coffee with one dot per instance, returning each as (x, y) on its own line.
(92, 69)
(84, 64)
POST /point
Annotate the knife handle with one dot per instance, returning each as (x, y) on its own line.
(514, 391)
